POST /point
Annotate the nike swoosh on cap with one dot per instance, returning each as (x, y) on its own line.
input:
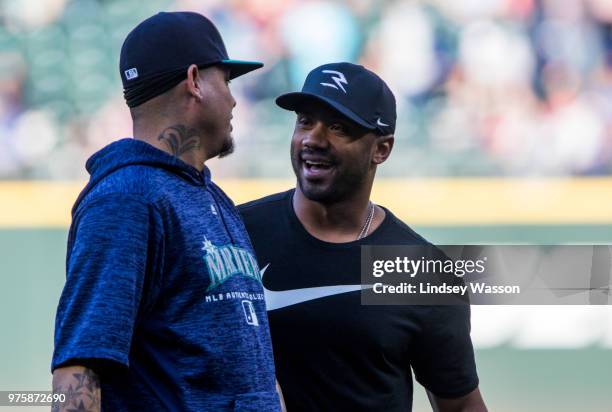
(380, 123)
(281, 299)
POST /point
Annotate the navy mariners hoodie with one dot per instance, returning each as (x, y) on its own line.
(163, 295)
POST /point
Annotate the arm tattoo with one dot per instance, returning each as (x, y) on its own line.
(82, 391)
(179, 139)
(55, 407)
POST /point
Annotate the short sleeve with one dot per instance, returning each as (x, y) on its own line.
(110, 249)
(443, 357)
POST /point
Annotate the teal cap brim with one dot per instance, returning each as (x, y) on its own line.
(240, 67)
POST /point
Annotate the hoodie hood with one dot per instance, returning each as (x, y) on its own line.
(130, 152)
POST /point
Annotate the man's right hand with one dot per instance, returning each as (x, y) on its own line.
(81, 387)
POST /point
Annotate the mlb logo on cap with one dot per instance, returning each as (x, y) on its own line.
(131, 73)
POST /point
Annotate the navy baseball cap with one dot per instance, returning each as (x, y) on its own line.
(169, 42)
(351, 89)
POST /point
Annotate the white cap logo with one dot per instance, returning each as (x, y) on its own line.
(131, 73)
(380, 123)
(338, 80)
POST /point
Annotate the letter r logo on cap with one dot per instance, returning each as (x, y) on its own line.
(338, 79)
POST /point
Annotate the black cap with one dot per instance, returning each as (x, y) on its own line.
(167, 42)
(352, 90)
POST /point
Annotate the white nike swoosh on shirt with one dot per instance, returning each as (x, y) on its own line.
(281, 299)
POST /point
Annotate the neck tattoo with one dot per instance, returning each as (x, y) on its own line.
(365, 229)
(180, 139)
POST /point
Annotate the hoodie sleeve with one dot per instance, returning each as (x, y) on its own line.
(113, 250)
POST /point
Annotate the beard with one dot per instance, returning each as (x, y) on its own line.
(227, 148)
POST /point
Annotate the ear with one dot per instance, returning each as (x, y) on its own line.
(382, 148)
(193, 82)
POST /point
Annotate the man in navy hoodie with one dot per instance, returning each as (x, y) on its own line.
(163, 307)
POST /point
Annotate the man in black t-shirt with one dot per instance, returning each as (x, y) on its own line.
(331, 352)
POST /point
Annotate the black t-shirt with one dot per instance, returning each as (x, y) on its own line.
(334, 354)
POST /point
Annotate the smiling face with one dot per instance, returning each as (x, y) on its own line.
(332, 156)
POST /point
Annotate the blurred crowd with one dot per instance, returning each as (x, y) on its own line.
(484, 87)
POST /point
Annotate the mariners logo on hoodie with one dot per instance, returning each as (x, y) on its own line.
(223, 262)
